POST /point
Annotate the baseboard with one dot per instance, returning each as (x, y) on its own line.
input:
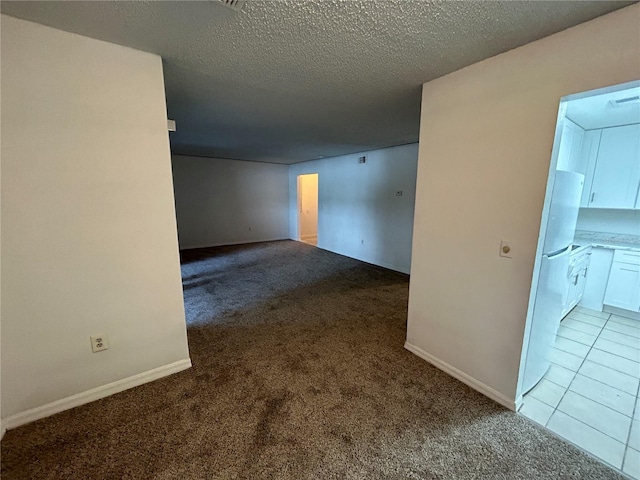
(621, 312)
(308, 237)
(388, 266)
(91, 395)
(519, 402)
(227, 244)
(463, 377)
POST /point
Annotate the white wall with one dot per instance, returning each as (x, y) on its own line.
(604, 220)
(359, 214)
(223, 202)
(486, 136)
(88, 224)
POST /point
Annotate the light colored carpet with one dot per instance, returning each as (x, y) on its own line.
(299, 373)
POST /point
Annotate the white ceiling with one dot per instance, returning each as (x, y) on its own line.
(597, 111)
(291, 80)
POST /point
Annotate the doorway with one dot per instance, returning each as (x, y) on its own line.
(308, 208)
(580, 371)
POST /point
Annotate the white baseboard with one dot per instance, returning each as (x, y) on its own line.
(227, 244)
(621, 312)
(388, 266)
(91, 395)
(463, 377)
(519, 401)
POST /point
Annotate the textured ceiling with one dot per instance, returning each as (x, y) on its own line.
(291, 80)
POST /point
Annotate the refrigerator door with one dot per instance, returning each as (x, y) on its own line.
(550, 297)
(563, 212)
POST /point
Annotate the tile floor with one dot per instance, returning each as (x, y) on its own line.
(590, 394)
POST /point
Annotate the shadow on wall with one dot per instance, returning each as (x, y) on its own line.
(223, 202)
(365, 209)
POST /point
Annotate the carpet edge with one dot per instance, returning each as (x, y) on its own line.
(468, 380)
(91, 395)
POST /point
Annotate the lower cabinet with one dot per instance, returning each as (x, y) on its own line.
(576, 278)
(597, 278)
(623, 287)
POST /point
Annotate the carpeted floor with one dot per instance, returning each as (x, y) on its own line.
(299, 372)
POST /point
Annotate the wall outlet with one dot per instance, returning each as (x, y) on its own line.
(362, 159)
(99, 343)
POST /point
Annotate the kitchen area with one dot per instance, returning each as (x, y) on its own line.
(582, 361)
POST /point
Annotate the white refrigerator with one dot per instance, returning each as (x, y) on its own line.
(553, 280)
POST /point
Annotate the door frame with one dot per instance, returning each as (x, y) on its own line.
(299, 204)
(545, 217)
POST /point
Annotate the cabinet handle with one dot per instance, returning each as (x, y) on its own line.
(593, 195)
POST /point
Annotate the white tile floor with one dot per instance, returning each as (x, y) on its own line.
(590, 394)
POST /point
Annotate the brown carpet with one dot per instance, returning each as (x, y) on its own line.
(299, 373)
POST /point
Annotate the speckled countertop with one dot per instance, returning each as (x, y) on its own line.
(607, 240)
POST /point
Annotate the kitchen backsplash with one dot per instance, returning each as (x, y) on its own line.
(609, 221)
(608, 238)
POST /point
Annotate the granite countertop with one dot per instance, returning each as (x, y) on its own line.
(607, 240)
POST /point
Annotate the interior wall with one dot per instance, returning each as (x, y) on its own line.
(88, 224)
(308, 218)
(605, 220)
(360, 214)
(486, 137)
(225, 202)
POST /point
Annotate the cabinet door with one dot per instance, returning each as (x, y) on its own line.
(617, 172)
(623, 288)
(582, 282)
(587, 162)
(572, 294)
(570, 152)
(597, 277)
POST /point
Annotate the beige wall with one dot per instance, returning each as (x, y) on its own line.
(88, 225)
(486, 136)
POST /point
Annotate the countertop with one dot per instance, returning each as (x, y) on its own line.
(608, 240)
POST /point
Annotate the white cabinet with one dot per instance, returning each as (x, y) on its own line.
(616, 175)
(576, 278)
(587, 162)
(623, 287)
(596, 278)
(570, 153)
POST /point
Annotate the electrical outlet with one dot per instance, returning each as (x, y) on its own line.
(99, 343)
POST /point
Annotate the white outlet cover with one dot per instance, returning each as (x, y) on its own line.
(99, 343)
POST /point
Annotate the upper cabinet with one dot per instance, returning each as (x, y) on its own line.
(570, 153)
(617, 173)
(610, 161)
